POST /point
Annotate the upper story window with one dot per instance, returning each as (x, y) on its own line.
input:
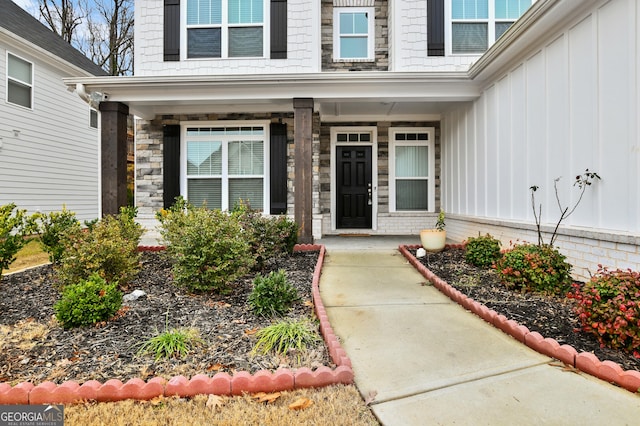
(225, 28)
(93, 118)
(19, 81)
(353, 33)
(474, 25)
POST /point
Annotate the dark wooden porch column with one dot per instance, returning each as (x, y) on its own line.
(114, 156)
(303, 205)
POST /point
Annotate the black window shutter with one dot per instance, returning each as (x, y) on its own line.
(278, 168)
(278, 29)
(171, 30)
(171, 164)
(435, 27)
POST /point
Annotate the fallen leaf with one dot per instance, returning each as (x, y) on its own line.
(371, 396)
(214, 402)
(269, 398)
(308, 303)
(301, 404)
(158, 400)
(251, 332)
(215, 367)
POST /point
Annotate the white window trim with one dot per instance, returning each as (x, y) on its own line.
(31, 86)
(430, 142)
(490, 21)
(224, 41)
(373, 130)
(371, 34)
(266, 177)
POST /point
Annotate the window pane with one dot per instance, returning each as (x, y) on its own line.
(204, 158)
(203, 43)
(247, 190)
(501, 28)
(511, 9)
(204, 12)
(412, 161)
(412, 194)
(19, 94)
(245, 42)
(19, 69)
(469, 37)
(354, 23)
(353, 47)
(208, 191)
(93, 118)
(246, 158)
(245, 11)
(470, 9)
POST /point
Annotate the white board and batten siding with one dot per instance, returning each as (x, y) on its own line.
(49, 155)
(571, 102)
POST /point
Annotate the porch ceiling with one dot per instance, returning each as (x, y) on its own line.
(337, 96)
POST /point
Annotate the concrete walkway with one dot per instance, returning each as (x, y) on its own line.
(430, 362)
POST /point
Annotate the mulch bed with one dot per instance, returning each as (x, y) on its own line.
(108, 351)
(551, 316)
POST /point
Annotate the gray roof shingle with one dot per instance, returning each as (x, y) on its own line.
(20, 22)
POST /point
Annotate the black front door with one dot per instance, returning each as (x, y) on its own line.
(354, 196)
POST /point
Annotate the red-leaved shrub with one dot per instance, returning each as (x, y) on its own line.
(609, 307)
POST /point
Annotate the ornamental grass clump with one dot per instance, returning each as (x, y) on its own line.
(529, 267)
(209, 248)
(482, 251)
(272, 294)
(286, 336)
(172, 343)
(608, 307)
(88, 302)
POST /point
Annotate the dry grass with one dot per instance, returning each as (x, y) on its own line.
(334, 405)
(29, 255)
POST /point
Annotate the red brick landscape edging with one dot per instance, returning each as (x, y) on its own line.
(220, 384)
(584, 361)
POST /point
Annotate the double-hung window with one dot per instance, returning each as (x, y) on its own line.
(477, 24)
(411, 169)
(19, 81)
(225, 165)
(225, 28)
(353, 33)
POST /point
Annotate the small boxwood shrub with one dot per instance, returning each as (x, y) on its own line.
(109, 248)
(51, 229)
(269, 237)
(208, 247)
(482, 251)
(272, 294)
(14, 226)
(540, 268)
(88, 302)
(608, 307)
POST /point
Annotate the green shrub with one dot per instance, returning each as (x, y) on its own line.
(482, 251)
(268, 236)
(273, 294)
(88, 302)
(174, 343)
(52, 227)
(530, 267)
(285, 336)
(608, 307)
(14, 226)
(208, 247)
(109, 248)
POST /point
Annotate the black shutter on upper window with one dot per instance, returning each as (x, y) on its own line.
(171, 164)
(435, 27)
(171, 30)
(278, 168)
(278, 29)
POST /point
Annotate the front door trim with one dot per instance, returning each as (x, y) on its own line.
(373, 130)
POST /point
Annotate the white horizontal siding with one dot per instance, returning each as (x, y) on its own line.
(570, 104)
(53, 159)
